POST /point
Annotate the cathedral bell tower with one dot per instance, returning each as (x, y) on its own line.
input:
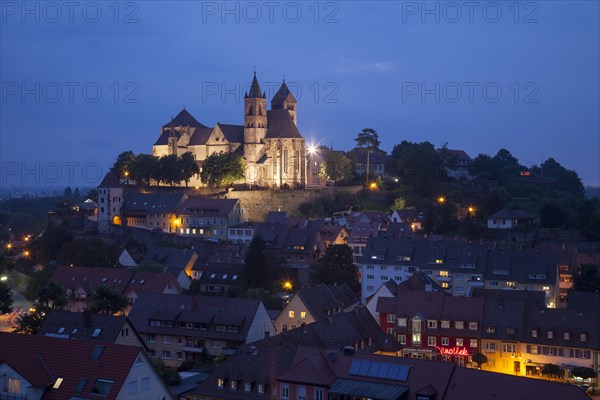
(255, 128)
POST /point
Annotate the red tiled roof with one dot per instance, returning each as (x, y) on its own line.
(91, 277)
(67, 359)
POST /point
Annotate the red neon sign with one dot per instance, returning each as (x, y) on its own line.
(453, 351)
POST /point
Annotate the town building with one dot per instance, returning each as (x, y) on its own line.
(433, 325)
(34, 367)
(509, 219)
(208, 218)
(178, 328)
(314, 304)
(152, 210)
(269, 140)
(87, 326)
(217, 278)
(375, 159)
(456, 163)
(242, 233)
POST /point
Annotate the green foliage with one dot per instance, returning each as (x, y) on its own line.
(261, 267)
(51, 297)
(336, 166)
(564, 179)
(6, 299)
(222, 169)
(150, 266)
(587, 278)
(168, 375)
(269, 300)
(419, 167)
(48, 246)
(368, 138)
(583, 372)
(552, 370)
(107, 301)
(169, 172)
(188, 167)
(124, 163)
(93, 253)
(398, 204)
(30, 323)
(336, 267)
(479, 359)
(552, 216)
(145, 168)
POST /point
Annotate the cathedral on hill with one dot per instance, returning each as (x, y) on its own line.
(269, 140)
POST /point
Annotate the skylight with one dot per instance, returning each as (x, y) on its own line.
(96, 332)
(97, 352)
(57, 383)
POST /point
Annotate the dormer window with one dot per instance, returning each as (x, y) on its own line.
(583, 337)
(473, 326)
(567, 336)
(220, 383)
(459, 325)
(534, 333)
(550, 334)
(233, 385)
(490, 329)
(247, 386)
(260, 388)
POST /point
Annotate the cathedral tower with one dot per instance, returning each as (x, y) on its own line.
(284, 100)
(255, 128)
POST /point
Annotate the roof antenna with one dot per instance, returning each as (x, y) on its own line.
(283, 78)
(254, 69)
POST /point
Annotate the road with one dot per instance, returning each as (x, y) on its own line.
(20, 305)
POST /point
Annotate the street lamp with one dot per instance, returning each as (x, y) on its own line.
(441, 199)
(287, 285)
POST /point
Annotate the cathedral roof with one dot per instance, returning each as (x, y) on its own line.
(184, 118)
(282, 94)
(255, 92)
(163, 139)
(281, 124)
(200, 136)
(233, 133)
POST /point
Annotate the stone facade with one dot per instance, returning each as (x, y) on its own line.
(269, 141)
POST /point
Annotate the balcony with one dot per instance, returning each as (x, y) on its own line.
(192, 348)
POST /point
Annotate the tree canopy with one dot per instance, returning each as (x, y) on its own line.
(107, 301)
(222, 169)
(368, 138)
(260, 266)
(336, 267)
(336, 166)
(6, 299)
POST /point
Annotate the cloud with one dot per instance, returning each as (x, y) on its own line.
(352, 67)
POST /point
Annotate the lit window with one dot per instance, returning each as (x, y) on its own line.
(303, 314)
(567, 336)
(391, 318)
(57, 383)
(534, 333)
(402, 339)
(443, 274)
(247, 386)
(14, 386)
(220, 383)
(431, 324)
(431, 341)
(473, 343)
(583, 337)
(445, 341)
(260, 388)
(550, 334)
(459, 341)
(402, 322)
(233, 385)
(473, 326)
(459, 325)
(445, 324)
(291, 314)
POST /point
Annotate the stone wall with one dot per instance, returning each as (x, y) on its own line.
(258, 203)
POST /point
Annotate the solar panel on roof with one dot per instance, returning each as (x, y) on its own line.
(403, 373)
(364, 368)
(374, 369)
(354, 367)
(393, 371)
(383, 370)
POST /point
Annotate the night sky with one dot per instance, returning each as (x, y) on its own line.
(84, 81)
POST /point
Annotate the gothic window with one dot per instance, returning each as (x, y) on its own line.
(285, 160)
(260, 110)
(250, 110)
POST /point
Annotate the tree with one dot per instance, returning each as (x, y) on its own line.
(150, 266)
(76, 194)
(30, 323)
(124, 164)
(336, 267)
(552, 216)
(479, 359)
(68, 193)
(368, 138)
(552, 370)
(6, 299)
(51, 297)
(583, 372)
(188, 167)
(168, 375)
(145, 168)
(419, 166)
(564, 179)
(222, 169)
(169, 170)
(107, 301)
(336, 166)
(587, 278)
(398, 204)
(260, 266)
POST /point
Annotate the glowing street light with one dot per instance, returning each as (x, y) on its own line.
(441, 199)
(312, 149)
(373, 185)
(9, 246)
(3, 278)
(287, 285)
(471, 210)
(26, 253)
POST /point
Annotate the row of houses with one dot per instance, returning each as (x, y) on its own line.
(458, 266)
(515, 330)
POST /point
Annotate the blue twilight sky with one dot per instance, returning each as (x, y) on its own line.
(84, 81)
